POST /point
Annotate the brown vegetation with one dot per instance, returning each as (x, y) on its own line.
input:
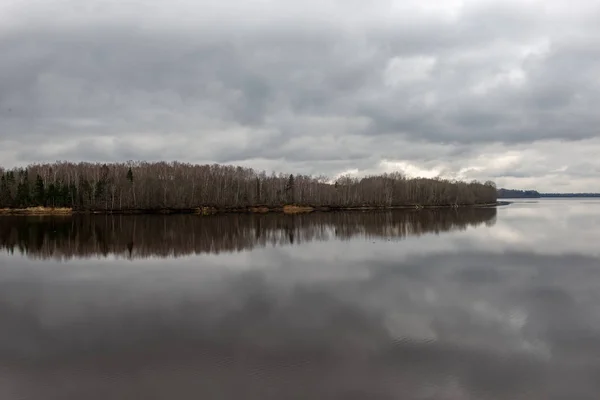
(206, 210)
(260, 210)
(36, 211)
(291, 209)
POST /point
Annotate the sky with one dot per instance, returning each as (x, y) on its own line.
(506, 91)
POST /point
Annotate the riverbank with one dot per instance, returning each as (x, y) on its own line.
(210, 210)
(36, 211)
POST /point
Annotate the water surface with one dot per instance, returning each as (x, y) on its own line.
(457, 304)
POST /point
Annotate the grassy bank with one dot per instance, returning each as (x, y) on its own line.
(291, 209)
(36, 211)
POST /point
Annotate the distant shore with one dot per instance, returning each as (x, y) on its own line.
(210, 210)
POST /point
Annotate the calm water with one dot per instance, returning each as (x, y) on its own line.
(470, 304)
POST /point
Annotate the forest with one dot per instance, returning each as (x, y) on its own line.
(150, 186)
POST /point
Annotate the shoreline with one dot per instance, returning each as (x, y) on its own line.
(210, 210)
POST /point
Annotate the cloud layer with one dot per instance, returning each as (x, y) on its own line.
(473, 90)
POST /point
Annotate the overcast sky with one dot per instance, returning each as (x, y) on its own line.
(500, 90)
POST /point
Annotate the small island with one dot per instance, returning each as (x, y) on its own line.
(63, 188)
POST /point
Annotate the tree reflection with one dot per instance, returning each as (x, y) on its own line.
(133, 236)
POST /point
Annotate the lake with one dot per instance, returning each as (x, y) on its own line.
(446, 304)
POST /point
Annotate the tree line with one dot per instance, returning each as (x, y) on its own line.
(518, 194)
(131, 236)
(534, 194)
(175, 185)
(569, 194)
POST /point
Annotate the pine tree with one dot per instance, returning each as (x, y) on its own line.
(131, 185)
(290, 189)
(130, 176)
(39, 192)
(64, 196)
(5, 194)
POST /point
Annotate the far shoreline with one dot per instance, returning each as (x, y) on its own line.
(210, 210)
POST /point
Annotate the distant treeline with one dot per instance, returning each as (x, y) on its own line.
(521, 194)
(517, 194)
(570, 194)
(132, 236)
(161, 185)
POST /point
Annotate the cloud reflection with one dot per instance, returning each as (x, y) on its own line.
(462, 315)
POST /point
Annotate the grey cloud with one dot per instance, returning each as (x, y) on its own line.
(478, 77)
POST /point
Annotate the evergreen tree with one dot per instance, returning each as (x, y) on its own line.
(5, 194)
(130, 176)
(64, 196)
(39, 192)
(131, 185)
(290, 189)
(10, 178)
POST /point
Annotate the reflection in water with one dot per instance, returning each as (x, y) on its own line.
(506, 311)
(178, 235)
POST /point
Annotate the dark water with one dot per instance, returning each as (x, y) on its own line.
(468, 304)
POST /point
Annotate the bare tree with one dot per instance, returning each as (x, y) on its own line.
(154, 186)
